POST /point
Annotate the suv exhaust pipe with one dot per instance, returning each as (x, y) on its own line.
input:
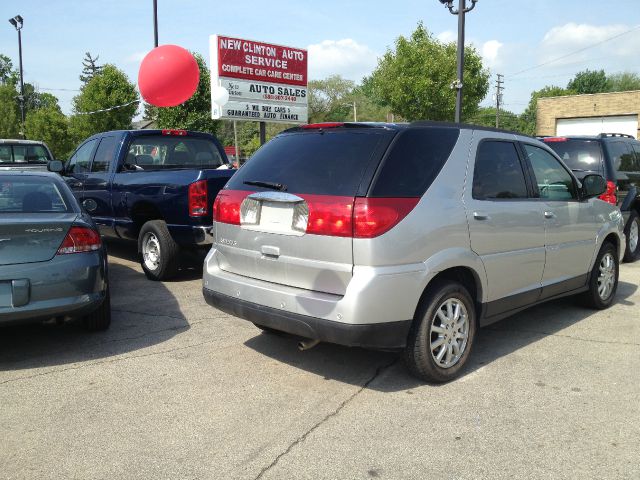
(307, 344)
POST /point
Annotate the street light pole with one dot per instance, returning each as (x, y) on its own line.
(458, 83)
(155, 23)
(17, 22)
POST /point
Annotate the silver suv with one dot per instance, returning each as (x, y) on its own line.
(407, 237)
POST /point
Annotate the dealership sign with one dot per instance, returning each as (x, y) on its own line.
(257, 81)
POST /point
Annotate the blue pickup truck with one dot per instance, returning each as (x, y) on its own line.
(156, 187)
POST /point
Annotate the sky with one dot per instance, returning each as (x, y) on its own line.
(342, 37)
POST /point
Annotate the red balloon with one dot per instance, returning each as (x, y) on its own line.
(168, 76)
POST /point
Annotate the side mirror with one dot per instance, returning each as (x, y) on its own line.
(593, 186)
(55, 166)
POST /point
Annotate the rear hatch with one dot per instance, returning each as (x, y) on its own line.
(286, 216)
(582, 155)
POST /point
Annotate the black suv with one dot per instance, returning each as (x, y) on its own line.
(616, 157)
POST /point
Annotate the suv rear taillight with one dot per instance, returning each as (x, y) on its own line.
(226, 207)
(374, 216)
(80, 239)
(198, 205)
(330, 215)
(610, 196)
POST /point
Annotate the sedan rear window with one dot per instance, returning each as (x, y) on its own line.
(159, 152)
(31, 195)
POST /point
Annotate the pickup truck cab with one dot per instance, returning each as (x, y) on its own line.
(155, 187)
(24, 155)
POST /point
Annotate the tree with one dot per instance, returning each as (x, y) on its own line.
(328, 99)
(529, 117)
(8, 75)
(486, 116)
(9, 117)
(195, 113)
(589, 82)
(414, 80)
(90, 68)
(51, 126)
(107, 89)
(623, 82)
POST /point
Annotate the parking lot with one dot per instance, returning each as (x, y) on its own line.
(176, 389)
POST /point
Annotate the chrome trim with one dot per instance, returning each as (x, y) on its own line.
(281, 197)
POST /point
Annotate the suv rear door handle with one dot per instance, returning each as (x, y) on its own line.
(549, 215)
(480, 216)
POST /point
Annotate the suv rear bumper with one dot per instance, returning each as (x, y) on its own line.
(388, 335)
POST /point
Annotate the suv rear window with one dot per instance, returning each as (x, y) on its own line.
(160, 152)
(319, 162)
(577, 154)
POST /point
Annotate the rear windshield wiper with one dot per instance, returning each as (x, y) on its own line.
(271, 185)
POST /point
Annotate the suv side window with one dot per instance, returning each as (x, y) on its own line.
(636, 149)
(554, 182)
(104, 154)
(621, 156)
(498, 172)
(80, 161)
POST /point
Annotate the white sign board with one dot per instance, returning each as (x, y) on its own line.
(264, 82)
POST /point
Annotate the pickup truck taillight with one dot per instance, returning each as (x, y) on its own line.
(610, 196)
(198, 206)
(80, 239)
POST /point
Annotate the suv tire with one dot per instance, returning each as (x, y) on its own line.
(603, 281)
(100, 319)
(632, 252)
(158, 251)
(445, 321)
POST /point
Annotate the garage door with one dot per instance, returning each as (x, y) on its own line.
(594, 125)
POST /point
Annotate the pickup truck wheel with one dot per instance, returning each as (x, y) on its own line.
(101, 318)
(632, 250)
(158, 251)
(442, 333)
(603, 281)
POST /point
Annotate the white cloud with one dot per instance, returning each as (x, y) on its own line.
(135, 57)
(568, 38)
(490, 51)
(344, 57)
(447, 36)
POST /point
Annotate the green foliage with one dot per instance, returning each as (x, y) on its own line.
(195, 113)
(9, 116)
(486, 116)
(624, 82)
(529, 116)
(107, 89)
(8, 75)
(328, 99)
(414, 80)
(589, 82)
(51, 126)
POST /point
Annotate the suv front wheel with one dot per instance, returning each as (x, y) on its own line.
(442, 333)
(603, 282)
(632, 252)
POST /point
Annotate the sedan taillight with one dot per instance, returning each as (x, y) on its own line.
(80, 239)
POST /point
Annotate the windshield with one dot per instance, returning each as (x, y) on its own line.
(160, 152)
(34, 154)
(578, 154)
(31, 195)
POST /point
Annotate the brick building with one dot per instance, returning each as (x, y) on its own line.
(615, 112)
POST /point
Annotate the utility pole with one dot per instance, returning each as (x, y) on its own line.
(355, 112)
(155, 23)
(17, 22)
(235, 141)
(499, 89)
(263, 133)
(458, 83)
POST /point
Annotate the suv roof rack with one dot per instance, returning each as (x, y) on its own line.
(625, 135)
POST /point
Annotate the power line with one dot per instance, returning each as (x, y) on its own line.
(108, 109)
(576, 51)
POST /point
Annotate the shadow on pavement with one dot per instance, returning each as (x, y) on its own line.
(144, 313)
(356, 366)
(190, 262)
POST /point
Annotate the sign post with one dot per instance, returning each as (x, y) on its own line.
(257, 81)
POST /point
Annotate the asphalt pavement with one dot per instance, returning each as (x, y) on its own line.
(178, 390)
